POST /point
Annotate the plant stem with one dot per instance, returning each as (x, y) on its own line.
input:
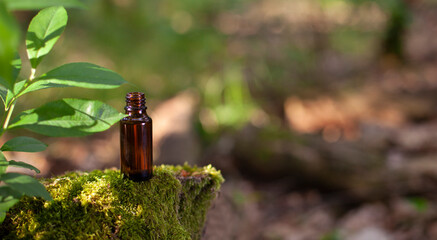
(32, 74)
(8, 116)
(9, 109)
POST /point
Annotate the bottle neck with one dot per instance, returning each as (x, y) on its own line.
(135, 104)
(136, 113)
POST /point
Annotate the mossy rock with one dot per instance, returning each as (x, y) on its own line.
(103, 205)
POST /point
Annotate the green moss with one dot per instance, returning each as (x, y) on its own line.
(102, 205)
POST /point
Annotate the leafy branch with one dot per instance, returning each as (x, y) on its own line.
(60, 118)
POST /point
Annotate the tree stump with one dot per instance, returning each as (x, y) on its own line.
(103, 205)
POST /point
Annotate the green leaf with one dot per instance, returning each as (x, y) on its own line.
(26, 185)
(9, 36)
(7, 203)
(23, 165)
(3, 163)
(2, 216)
(8, 198)
(39, 4)
(44, 30)
(3, 94)
(16, 66)
(24, 144)
(80, 74)
(7, 192)
(68, 117)
(7, 95)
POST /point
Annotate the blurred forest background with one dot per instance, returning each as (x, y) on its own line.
(321, 114)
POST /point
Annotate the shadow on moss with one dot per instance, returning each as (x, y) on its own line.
(102, 205)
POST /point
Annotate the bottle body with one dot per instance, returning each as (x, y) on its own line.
(136, 143)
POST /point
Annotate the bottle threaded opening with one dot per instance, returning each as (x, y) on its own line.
(135, 100)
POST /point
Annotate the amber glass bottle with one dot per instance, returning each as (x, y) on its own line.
(136, 139)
